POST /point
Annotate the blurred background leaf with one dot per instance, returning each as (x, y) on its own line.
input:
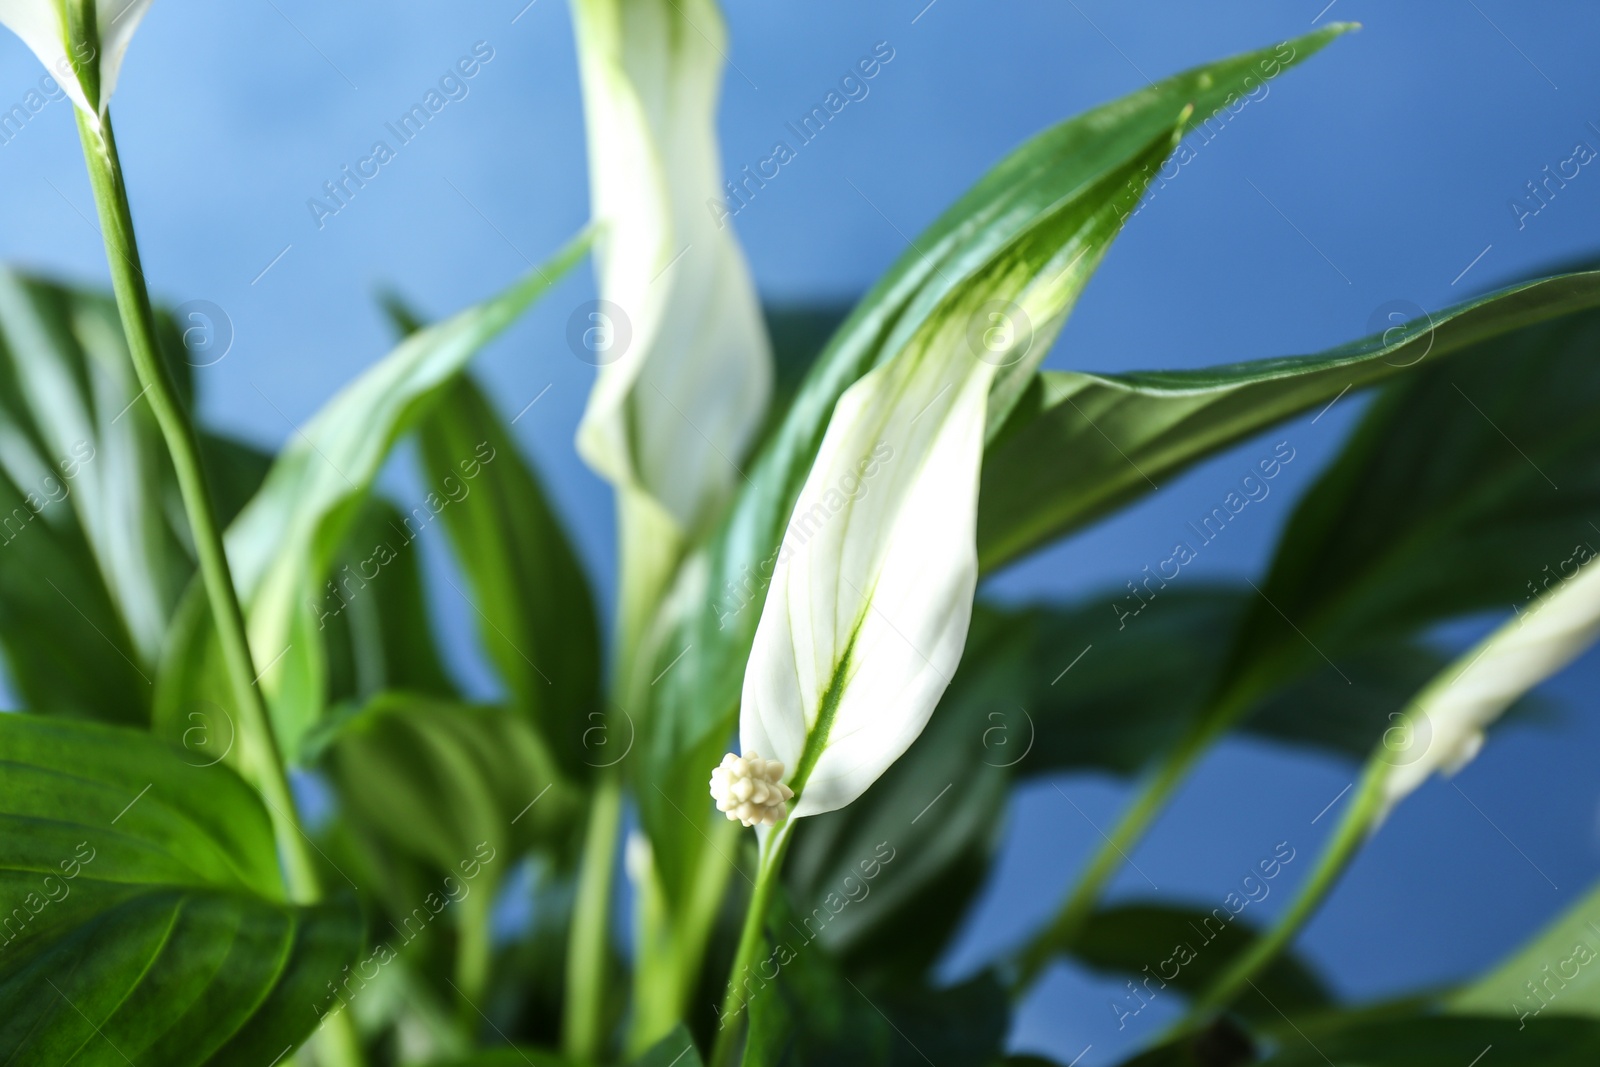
(537, 619)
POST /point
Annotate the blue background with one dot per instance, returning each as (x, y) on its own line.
(1394, 153)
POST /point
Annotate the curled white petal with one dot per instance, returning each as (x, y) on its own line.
(1452, 713)
(677, 403)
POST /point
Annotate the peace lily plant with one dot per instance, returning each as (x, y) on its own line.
(807, 503)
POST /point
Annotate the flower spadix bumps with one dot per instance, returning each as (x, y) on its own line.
(42, 26)
(685, 381)
(1450, 716)
(751, 790)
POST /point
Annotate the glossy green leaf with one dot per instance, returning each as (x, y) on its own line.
(1466, 487)
(284, 542)
(537, 619)
(147, 915)
(711, 619)
(371, 619)
(463, 790)
(1082, 445)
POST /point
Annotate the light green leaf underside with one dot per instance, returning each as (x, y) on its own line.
(1556, 973)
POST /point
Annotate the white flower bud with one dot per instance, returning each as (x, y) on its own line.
(749, 789)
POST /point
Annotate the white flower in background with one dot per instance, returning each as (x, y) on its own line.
(686, 373)
(1449, 717)
(750, 789)
(41, 25)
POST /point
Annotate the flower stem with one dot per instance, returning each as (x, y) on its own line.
(750, 941)
(588, 947)
(138, 322)
(1074, 914)
(670, 947)
(1352, 832)
(1170, 773)
(261, 762)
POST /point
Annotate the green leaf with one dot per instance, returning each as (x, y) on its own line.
(438, 779)
(1444, 1042)
(1555, 971)
(798, 1007)
(234, 472)
(89, 563)
(712, 616)
(148, 916)
(799, 334)
(1346, 714)
(1082, 445)
(284, 542)
(509, 1057)
(1188, 949)
(536, 614)
(677, 1049)
(804, 1009)
(1222, 1044)
(373, 615)
(1110, 691)
(1042, 690)
(964, 1025)
(911, 854)
(1444, 503)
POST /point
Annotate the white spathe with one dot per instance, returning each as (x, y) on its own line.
(870, 601)
(40, 25)
(676, 405)
(1451, 714)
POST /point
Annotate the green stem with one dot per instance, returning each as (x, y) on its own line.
(1170, 773)
(751, 940)
(1352, 832)
(671, 946)
(588, 948)
(138, 323)
(1074, 914)
(472, 954)
(265, 768)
